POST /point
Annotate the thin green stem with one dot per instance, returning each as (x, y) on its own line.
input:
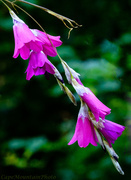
(71, 22)
(51, 12)
(5, 5)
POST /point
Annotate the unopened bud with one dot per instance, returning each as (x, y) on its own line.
(114, 157)
(71, 96)
(69, 72)
(111, 151)
(117, 166)
(62, 85)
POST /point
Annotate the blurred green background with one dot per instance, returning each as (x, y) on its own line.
(37, 120)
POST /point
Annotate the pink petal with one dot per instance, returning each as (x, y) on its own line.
(111, 131)
(84, 133)
(22, 34)
(49, 68)
(96, 106)
(36, 46)
(38, 59)
(25, 38)
(33, 60)
(48, 42)
(16, 53)
(50, 51)
(41, 59)
(25, 52)
(45, 38)
(30, 72)
(38, 65)
(39, 71)
(55, 40)
(79, 81)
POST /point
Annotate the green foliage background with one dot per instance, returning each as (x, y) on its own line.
(37, 120)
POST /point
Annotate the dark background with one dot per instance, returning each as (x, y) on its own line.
(37, 120)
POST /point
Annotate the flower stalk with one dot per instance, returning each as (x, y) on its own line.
(36, 46)
(114, 157)
(73, 24)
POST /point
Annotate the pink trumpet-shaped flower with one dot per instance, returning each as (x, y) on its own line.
(38, 65)
(25, 40)
(85, 129)
(111, 131)
(95, 105)
(49, 42)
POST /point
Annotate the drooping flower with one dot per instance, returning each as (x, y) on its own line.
(111, 131)
(95, 105)
(25, 40)
(108, 129)
(84, 131)
(49, 42)
(38, 65)
(114, 157)
(89, 131)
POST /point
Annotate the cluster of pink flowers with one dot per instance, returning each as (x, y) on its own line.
(91, 117)
(35, 45)
(91, 126)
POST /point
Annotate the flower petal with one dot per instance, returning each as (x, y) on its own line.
(46, 38)
(22, 34)
(111, 131)
(25, 52)
(29, 72)
(39, 65)
(49, 42)
(84, 132)
(50, 51)
(96, 106)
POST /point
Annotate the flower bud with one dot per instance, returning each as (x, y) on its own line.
(70, 73)
(117, 166)
(114, 157)
(71, 96)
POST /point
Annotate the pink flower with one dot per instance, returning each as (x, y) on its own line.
(38, 65)
(25, 40)
(94, 104)
(48, 41)
(85, 131)
(111, 131)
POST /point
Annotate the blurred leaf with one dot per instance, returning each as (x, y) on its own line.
(110, 51)
(95, 69)
(6, 24)
(128, 62)
(107, 86)
(32, 144)
(125, 39)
